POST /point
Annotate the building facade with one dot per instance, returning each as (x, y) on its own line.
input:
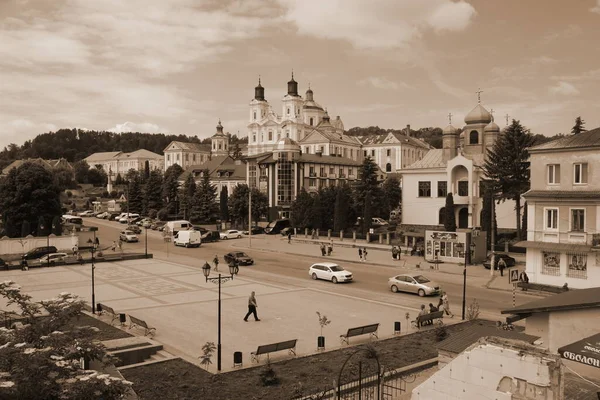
(223, 171)
(118, 162)
(563, 212)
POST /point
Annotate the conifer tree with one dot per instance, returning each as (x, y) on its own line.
(579, 126)
(300, 210)
(367, 221)
(450, 220)
(171, 187)
(135, 199)
(57, 225)
(186, 195)
(204, 207)
(341, 219)
(153, 201)
(223, 201)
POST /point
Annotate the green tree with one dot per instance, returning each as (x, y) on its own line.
(186, 195)
(135, 197)
(486, 215)
(131, 175)
(341, 218)
(524, 222)
(450, 218)
(25, 228)
(97, 177)
(327, 197)
(64, 178)
(579, 126)
(223, 202)
(171, 187)
(238, 204)
(57, 225)
(42, 228)
(80, 169)
(367, 180)
(146, 175)
(204, 206)
(367, 219)
(507, 165)
(300, 210)
(119, 180)
(153, 193)
(392, 194)
(27, 193)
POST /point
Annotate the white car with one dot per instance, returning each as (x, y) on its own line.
(230, 234)
(53, 258)
(330, 272)
(128, 236)
(103, 215)
(87, 213)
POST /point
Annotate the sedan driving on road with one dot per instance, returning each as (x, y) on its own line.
(239, 256)
(413, 284)
(330, 272)
(230, 234)
(128, 236)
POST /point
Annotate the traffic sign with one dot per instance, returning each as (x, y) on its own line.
(513, 277)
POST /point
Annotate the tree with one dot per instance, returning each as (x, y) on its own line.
(119, 180)
(238, 204)
(204, 206)
(300, 209)
(237, 152)
(315, 213)
(187, 195)
(171, 187)
(42, 228)
(131, 175)
(367, 220)
(146, 171)
(507, 165)
(81, 169)
(27, 193)
(135, 196)
(524, 222)
(223, 199)
(64, 178)
(47, 344)
(57, 225)
(486, 215)
(341, 218)
(579, 126)
(392, 194)
(153, 193)
(327, 196)
(25, 229)
(367, 180)
(97, 177)
(450, 219)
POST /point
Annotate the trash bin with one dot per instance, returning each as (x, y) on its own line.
(321, 342)
(237, 359)
(397, 328)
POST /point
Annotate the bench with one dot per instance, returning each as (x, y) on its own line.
(542, 288)
(106, 309)
(141, 324)
(421, 319)
(361, 330)
(289, 345)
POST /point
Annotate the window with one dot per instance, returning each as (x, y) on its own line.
(442, 213)
(322, 171)
(577, 263)
(177, 157)
(254, 137)
(388, 167)
(270, 135)
(474, 137)
(372, 153)
(193, 157)
(187, 157)
(580, 173)
(389, 152)
(311, 170)
(288, 111)
(550, 263)
(577, 220)
(341, 172)
(553, 174)
(365, 153)
(352, 154)
(551, 218)
(220, 146)
(312, 182)
(311, 121)
(168, 157)
(424, 189)
(332, 170)
(442, 189)
(351, 171)
(463, 188)
(255, 115)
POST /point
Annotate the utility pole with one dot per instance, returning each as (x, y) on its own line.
(493, 238)
(249, 216)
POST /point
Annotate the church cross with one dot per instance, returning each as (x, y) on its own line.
(506, 116)
(479, 91)
(450, 118)
(492, 113)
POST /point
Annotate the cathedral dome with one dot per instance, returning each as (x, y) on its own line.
(287, 144)
(478, 115)
(449, 130)
(491, 127)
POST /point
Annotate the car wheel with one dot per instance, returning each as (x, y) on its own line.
(225, 237)
(239, 236)
(421, 293)
(334, 280)
(394, 288)
(314, 276)
(187, 245)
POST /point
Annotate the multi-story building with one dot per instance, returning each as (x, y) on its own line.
(223, 171)
(117, 162)
(563, 212)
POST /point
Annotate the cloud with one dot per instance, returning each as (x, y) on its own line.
(596, 8)
(382, 83)
(377, 24)
(564, 88)
(144, 127)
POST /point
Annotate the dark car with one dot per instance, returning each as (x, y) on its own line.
(510, 262)
(37, 253)
(157, 224)
(112, 216)
(239, 256)
(275, 227)
(256, 230)
(135, 229)
(3, 264)
(210, 236)
(200, 229)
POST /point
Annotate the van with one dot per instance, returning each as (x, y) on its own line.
(189, 238)
(175, 226)
(276, 226)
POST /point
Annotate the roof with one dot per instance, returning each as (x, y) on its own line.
(588, 350)
(370, 140)
(564, 194)
(190, 146)
(580, 389)
(433, 159)
(581, 140)
(574, 247)
(459, 341)
(571, 300)
(141, 153)
(102, 156)
(478, 115)
(217, 164)
(327, 264)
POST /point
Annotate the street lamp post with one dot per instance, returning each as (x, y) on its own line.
(93, 229)
(146, 244)
(469, 248)
(233, 270)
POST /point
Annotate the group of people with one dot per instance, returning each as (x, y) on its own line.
(396, 252)
(362, 254)
(326, 250)
(443, 305)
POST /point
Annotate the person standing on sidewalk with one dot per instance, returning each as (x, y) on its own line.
(216, 262)
(323, 249)
(394, 252)
(524, 278)
(501, 266)
(252, 307)
(289, 235)
(446, 305)
(365, 254)
(360, 254)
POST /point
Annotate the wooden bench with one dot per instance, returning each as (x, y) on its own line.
(542, 288)
(106, 309)
(421, 319)
(361, 330)
(289, 345)
(141, 324)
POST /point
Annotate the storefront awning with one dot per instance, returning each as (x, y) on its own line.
(585, 351)
(578, 248)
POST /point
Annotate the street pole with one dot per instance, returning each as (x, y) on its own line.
(146, 246)
(93, 282)
(493, 240)
(249, 217)
(467, 250)
(219, 334)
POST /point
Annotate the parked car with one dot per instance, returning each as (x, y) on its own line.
(113, 216)
(144, 221)
(275, 227)
(87, 213)
(510, 262)
(210, 236)
(103, 215)
(200, 229)
(3, 264)
(413, 284)
(330, 272)
(128, 236)
(157, 224)
(239, 256)
(37, 253)
(135, 229)
(53, 258)
(125, 218)
(230, 234)
(179, 225)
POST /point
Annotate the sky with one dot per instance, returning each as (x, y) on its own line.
(179, 66)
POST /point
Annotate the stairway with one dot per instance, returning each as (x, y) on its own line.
(136, 351)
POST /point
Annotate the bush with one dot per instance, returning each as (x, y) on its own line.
(93, 198)
(69, 193)
(268, 376)
(113, 194)
(441, 333)
(473, 310)
(152, 213)
(162, 214)
(105, 194)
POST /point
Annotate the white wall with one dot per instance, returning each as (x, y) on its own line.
(421, 210)
(13, 246)
(534, 264)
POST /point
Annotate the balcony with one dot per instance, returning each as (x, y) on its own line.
(323, 175)
(334, 176)
(312, 174)
(342, 176)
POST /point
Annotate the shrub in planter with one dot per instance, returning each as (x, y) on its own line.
(268, 376)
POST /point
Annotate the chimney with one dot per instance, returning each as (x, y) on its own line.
(408, 130)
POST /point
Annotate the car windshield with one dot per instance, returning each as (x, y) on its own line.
(241, 254)
(128, 233)
(336, 268)
(421, 279)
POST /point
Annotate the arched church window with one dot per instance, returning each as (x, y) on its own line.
(288, 111)
(254, 137)
(388, 167)
(474, 137)
(255, 115)
(270, 135)
(311, 121)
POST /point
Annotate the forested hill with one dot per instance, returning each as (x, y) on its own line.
(433, 136)
(75, 145)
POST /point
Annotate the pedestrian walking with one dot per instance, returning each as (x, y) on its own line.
(97, 241)
(289, 235)
(323, 249)
(75, 250)
(329, 249)
(120, 245)
(114, 246)
(394, 252)
(359, 254)
(252, 307)
(365, 254)
(216, 262)
(524, 278)
(446, 305)
(501, 266)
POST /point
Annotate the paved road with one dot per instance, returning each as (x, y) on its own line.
(273, 262)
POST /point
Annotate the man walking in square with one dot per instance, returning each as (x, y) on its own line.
(252, 307)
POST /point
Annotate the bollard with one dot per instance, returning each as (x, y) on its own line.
(387, 238)
(397, 328)
(328, 234)
(381, 238)
(237, 359)
(317, 233)
(341, 236)
(368, 237)
(305, 232)
(354, 236)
